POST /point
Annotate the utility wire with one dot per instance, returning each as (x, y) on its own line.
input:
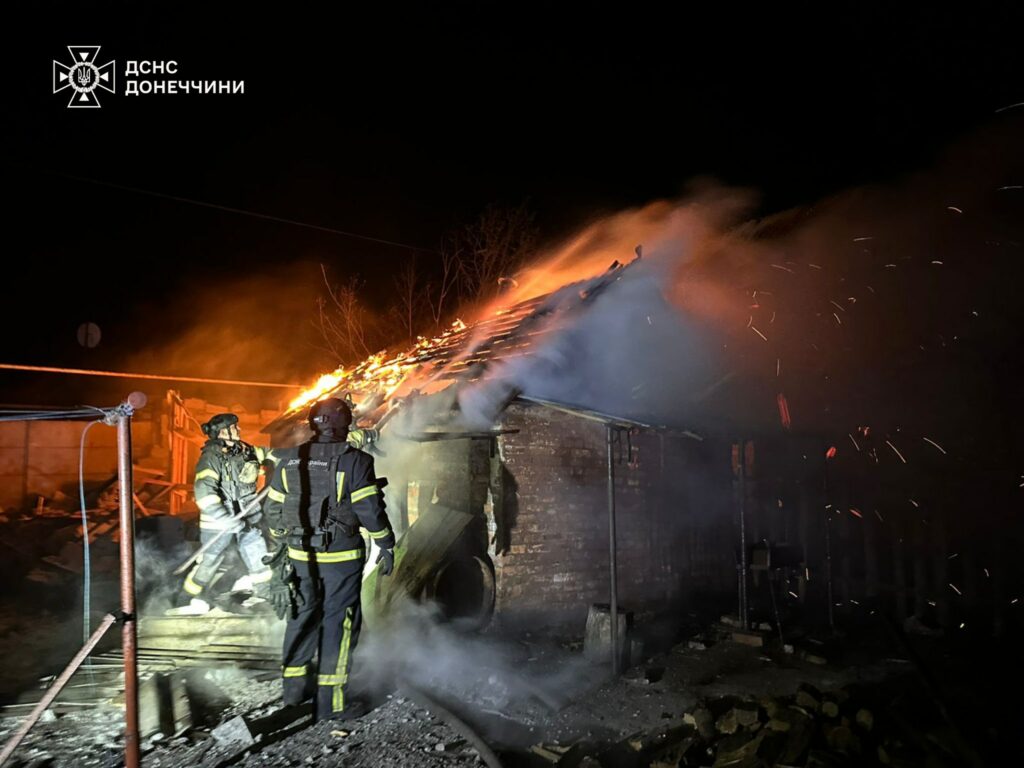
(16, 415)
(157, 377)
(239, 211)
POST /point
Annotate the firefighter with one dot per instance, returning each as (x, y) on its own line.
(225, 483)
(321, 493)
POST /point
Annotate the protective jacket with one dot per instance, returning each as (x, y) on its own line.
(225, 480)
(322, 493)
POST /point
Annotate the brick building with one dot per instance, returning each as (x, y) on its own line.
(528, 485)
(538, 494)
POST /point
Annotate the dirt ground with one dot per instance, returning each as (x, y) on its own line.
(693, 697)
(530, 698)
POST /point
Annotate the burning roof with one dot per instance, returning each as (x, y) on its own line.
(461, 355)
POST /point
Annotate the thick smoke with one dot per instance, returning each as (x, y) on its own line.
(891, 308)
(415, 650)
(256, 327)
(817, 319)
(156, 587)
(629, 354)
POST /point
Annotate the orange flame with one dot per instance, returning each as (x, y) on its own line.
(323, 385)
(588, 254)
(377, 373)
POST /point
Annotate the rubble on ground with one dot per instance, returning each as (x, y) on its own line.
(818, 729)
(707, 701)
(397, 733)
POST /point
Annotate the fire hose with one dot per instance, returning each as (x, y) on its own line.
(251, 505)
(248, 508)
(199, 552)
(457, 724)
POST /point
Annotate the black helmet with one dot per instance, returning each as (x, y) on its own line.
(221, 421)
(330, 416)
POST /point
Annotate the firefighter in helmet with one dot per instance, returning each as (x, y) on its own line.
(321, 494)
(225, 484)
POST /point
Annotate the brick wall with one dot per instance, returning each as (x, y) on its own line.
(674, 524)
(540, 497)
(557, 559)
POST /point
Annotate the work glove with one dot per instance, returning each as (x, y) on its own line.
(386, 561)
(280, 598)
(246, 500)
(372, 437)
(255, 514)
(234, 526)
(363, 437)
(282, 592)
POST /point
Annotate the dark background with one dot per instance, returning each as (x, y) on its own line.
(402, 124)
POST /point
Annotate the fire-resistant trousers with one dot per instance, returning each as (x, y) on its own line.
(327, 625)
(251, 546)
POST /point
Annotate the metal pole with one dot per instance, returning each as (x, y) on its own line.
(132, 756)
(741, 488)
(612, 565)
(56, 687)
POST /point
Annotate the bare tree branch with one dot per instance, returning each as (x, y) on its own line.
(408, 298)
(345, 324)
(441, 291)
(476, 262)
(494, 246)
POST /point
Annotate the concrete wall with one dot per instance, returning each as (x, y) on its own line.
(40, 458)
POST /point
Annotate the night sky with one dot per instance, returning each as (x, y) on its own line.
(401, 125)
